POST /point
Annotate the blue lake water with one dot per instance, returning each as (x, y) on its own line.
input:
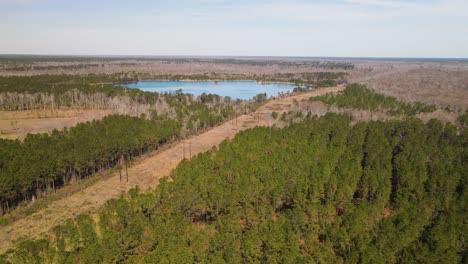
(233, 89)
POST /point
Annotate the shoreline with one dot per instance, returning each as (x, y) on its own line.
(208, 80)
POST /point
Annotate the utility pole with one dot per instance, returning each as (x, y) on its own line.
(183, 143)
(126, 168)
(120, 167)
(190, 150)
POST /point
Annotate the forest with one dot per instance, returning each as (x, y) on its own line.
(319, 79)
(28, 62)
(358, 96)
(43, 162)
(319, 191)
(65, 91)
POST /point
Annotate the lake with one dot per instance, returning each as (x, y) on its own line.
(233, 89)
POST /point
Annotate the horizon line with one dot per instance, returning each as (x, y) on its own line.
(225, 56)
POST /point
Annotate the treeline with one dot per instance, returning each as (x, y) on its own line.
(58, 91)
(332, 65)
(463, 119)
(91, 92)
(311, 77)
(52, 67)
(321, 191)
(59, 84)
(360, 97)
(48, 161)
(28, 60)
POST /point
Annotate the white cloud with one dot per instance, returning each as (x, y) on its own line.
(383, 3)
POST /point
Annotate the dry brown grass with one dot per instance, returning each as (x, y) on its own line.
(16, 124)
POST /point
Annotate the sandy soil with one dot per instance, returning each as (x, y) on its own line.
(16, 124)
(146, 173)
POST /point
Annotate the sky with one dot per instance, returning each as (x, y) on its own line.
(334, 28)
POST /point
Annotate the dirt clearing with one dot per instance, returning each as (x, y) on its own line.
(16, 124)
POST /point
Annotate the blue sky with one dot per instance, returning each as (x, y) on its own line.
(356, 28)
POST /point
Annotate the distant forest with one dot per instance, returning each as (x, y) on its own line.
(27, 62)
(360, 97)
(320, 191)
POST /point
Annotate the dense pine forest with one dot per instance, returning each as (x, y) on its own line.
(320, 191)
(360, 97)
(45, 162)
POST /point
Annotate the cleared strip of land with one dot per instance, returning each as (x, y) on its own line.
(146, 173)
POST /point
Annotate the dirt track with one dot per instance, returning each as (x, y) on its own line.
(145, 174)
